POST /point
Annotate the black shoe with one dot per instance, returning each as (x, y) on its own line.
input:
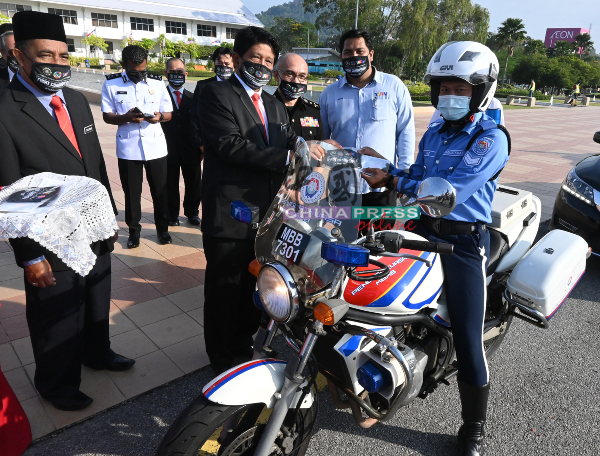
(247, 352)
(194, 220)
(120, 363)
(474, 400)
(75, 401)
(174, 221)
(164, 237)
(133, 241)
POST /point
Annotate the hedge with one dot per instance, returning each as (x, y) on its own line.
(193, 73)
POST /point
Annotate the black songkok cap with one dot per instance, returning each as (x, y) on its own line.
(6, 27)
(35, 25)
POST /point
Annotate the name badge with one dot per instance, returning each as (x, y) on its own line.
(121, 92)
(88, 129)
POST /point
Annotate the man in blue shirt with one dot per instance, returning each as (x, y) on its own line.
(369, 109)
(469, 151)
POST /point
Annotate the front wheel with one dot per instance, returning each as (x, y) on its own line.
(206, 429)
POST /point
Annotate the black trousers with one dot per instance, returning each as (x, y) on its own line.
(230, 317)
(192, 178)
(68, 324)
(378, 199)
(131, 173)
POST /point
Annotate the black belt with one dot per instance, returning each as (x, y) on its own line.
(450, 227)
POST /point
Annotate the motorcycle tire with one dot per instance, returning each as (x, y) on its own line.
(197, 431)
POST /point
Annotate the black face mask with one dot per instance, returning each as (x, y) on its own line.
(224, 72)
(13, 63)
(356, 66)
(292, 90)
(255, 75)
(137, 76)
(49, 77)
(176, 79)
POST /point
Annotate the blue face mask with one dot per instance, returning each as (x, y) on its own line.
(453, 107)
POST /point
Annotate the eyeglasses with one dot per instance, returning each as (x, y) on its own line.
(302, 77)
(176, 71)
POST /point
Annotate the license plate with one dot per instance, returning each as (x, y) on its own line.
(291, 244)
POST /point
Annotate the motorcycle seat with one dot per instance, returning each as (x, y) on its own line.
(498, 247)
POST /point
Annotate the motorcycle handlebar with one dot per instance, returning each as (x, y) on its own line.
(425, 246)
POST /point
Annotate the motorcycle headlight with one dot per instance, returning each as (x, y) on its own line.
(578, 188)
(278, 292)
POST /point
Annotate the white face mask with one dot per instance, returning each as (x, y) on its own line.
(453, 107)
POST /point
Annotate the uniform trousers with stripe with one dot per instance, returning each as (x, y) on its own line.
(465, 286)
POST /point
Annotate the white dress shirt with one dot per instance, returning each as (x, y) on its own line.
(10, 74)
(172, 90)
(261, 105)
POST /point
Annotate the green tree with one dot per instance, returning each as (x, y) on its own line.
(510, 34)
(532, 46)
(585, 44)
(4, 19)
(95, 43)
(562, 48)
(291, 33)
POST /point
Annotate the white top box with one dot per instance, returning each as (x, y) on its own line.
(510, 204)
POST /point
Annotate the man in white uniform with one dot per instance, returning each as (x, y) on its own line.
(137, 101)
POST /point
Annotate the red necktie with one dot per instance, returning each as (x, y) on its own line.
(178, 95)
(255, 97)
(63, 121)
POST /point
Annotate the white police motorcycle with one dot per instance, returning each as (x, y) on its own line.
(369, 315)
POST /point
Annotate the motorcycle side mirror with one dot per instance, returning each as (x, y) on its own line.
(597, 137)
(250, 215)
(436, 197)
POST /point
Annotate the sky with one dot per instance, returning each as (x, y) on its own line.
(537, 15)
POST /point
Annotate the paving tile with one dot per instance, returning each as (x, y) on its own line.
(12, 307)
(100, 387)
(3, 337)
(174, 283)
(150, 312)
(116, 264)
(20, 384)
(124, 278)
(132, 344)
(155, 270)
(194, 239)
(189, 355)
(40, 422)
(7, 257)
(188, 300)
(133, 294)
(119, 323)
(10, 271)
(23, 350)
(148, 372)
(15, 327)
(177, 249)
(198, 315)
(12, 287)
(5, 247)
(195, 260)
(172, 330)
(8, 358)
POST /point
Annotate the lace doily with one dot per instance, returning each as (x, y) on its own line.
(80, 215)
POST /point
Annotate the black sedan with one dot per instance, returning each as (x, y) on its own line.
(577, 205)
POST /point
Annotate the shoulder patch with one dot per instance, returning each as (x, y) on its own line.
(155, 76)
(482, 145)
(113, 76)
(312, 103)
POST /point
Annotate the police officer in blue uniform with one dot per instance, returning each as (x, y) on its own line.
(468, 150)
(137, 102)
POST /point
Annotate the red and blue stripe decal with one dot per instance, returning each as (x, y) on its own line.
(237, 372)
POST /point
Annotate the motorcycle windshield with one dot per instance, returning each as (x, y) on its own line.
(317, 196)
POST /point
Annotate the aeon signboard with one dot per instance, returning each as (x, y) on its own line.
(562, 34)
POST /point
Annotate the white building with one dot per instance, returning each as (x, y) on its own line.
(118, 20)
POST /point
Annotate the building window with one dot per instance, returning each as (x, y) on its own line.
(141, 23)
(104, 20)
(110, 48)
(207, 30)
(70, 44)
(69, 16)
(178, 28)
(9, 9)
(231, 33)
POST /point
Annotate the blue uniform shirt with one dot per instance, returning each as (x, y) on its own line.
(443, 154)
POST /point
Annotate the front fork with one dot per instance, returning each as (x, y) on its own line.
(294, 378)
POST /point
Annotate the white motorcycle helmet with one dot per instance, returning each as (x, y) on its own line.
(470, 61)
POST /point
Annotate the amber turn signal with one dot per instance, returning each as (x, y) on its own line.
(254, 267)
(324, 314)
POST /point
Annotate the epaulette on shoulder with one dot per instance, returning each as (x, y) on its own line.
(158, 77)
(113, 76)
(312, 103)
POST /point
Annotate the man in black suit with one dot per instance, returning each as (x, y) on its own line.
(183, 148)
(7, 45)
(247, 146)
(46, 127)
(222, 58)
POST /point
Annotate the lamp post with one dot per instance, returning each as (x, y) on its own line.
(356, 18)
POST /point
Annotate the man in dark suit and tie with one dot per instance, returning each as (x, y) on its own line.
(46, 127)
(7, 45)
(183, 147)
(247, 146)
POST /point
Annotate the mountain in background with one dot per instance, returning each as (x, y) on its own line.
(293, 9)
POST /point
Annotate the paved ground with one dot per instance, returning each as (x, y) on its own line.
(156, 317)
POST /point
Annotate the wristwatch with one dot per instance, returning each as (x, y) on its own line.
(390, 183)
(162, 116)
